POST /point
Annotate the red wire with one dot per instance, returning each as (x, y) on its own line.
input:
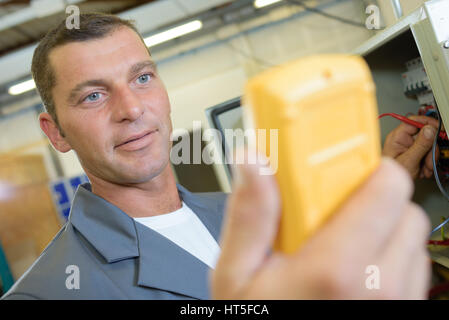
(417, 124)
(439, 242)
(442, 135)
(438, 289)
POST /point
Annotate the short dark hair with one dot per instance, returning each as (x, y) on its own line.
(91, 26)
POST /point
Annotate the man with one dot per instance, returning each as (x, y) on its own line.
(132, 232)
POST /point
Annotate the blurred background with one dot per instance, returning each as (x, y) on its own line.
(202, 68)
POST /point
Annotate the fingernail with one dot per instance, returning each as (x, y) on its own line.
(429, 132)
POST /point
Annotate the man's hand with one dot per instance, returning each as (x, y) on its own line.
(377, 226)
(412, 147)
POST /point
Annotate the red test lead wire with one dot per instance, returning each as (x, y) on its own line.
(417, 124)
(439, 242)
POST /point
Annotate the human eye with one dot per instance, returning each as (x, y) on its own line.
(93, 97)
(144, 78)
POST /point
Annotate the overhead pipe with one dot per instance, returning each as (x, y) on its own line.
(397, 8)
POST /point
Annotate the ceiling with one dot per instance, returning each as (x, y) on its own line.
(23, 22)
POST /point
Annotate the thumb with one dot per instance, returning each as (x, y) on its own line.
(423, 143)
(249, 229)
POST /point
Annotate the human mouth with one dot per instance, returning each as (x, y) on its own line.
(136, 142)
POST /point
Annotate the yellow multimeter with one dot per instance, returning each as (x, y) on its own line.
(324, 108)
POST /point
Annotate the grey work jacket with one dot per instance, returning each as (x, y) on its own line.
(115, 257)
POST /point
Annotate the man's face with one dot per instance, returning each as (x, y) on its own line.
(113, 107)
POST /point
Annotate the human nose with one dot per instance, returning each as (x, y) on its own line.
(128, 106)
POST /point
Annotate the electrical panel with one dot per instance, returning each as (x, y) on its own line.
(409, 62)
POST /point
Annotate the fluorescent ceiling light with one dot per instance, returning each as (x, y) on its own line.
(263, 3)
(22, 87)
(173, 33)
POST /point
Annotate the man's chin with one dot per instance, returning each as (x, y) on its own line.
(133, 180)
(133, 176)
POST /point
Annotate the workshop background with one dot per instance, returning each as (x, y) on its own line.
(236, 40)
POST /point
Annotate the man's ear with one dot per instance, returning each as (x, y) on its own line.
(53, 133)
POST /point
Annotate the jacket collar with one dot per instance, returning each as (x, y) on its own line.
(162, 264)
(110, 230)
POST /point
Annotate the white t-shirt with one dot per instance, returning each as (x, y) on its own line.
(185, 229)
